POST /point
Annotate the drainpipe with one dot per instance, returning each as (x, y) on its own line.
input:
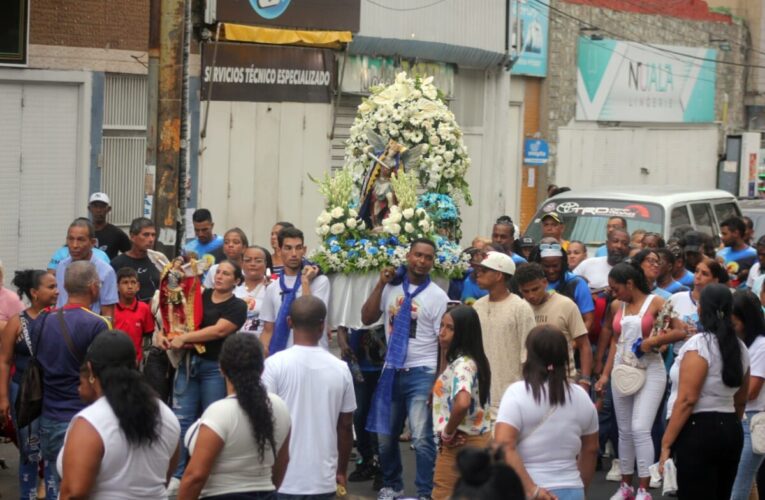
(152, 84)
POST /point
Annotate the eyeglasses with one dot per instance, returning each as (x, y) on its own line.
(250, 259)
(550, 246)
(652, 261)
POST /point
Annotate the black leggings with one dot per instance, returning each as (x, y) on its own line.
(707, 452)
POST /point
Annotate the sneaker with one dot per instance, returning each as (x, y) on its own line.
(389, 494)
(615, 474)
(643, 495)
(172, 487)
(625, 492)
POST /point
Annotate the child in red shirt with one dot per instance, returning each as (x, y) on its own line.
(130, 314)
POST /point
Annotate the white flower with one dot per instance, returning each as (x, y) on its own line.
(351, 223)
(416, 137)
(449, 173)
(394, 217)
(337, 212)
(394, 229)
(420, 212)
(434, 140)
(322, 230)
(449, 156)
(324, 218)
(394, 209)
(424, 225)
(408, 227)
(353, 213)
(408, 213)
(337, 228)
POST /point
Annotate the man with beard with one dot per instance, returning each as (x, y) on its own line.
(412, 306)
(595, 270)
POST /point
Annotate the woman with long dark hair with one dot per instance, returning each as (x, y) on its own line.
(460, 394)
(40, 288)
(125, 444)
(548, 426)
(710, 380)
(749, 324)
(255, 265)
(634, 312)
(240, 446)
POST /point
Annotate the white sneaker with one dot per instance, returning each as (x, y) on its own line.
(615, 474)
(609, 451)
(625, 492)
(172, 487)
(389, 494)
(643, 495)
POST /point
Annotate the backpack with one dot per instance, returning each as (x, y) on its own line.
(29, 401)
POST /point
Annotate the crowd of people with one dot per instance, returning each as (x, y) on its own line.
(519, 381)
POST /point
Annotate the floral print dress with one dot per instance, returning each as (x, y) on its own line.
(460, 375)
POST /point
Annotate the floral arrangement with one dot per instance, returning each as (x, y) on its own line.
(411, 111)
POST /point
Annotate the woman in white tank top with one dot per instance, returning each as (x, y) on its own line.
(125, 444)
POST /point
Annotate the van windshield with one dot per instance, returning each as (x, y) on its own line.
(586, 220)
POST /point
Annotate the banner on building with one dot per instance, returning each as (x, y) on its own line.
(262, 73)
(533, 21)
(633, 82)
(336, 15)
(365, 72)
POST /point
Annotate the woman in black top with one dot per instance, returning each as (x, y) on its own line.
(198, 381)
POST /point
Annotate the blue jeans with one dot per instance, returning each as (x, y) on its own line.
(198, 384)
(366, 442)
(52, 434)
(568, 493)
(411, 392)
(321, 496)
(748, 465)
(29, 450)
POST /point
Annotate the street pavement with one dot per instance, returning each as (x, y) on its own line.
(599, 490)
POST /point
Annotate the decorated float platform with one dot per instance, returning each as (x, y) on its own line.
(404, 177)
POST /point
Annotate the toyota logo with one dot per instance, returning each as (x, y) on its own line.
(567, 207)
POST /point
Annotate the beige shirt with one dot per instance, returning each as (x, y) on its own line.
(562, 312)
(505, 326)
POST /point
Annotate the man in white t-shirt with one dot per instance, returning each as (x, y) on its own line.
(318, 390)
(506, 321)
(292, 249)
(414, 381)
(595, 269)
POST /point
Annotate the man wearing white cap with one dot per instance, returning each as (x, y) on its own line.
(506, 320)
(111, 239)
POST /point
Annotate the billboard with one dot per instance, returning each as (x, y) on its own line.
(634, 82)
(534, 26)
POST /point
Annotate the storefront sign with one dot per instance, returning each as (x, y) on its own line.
(535, 152)
(365, 72)
(626, 81)
(259, 73)
(534, 24)
(335, 15)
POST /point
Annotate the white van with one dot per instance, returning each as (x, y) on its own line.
(667, 210)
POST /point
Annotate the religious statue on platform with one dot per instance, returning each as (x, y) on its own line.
(377, 194)
(180, 297)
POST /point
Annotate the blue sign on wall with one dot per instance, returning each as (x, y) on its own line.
(534, 25)
(270, 9)
(535, 152)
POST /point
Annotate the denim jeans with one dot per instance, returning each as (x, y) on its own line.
(608, 430)
(321, 496)
(29, 450)
(748, 465)
(366, 442)
(52, 434)
(198, 384)
(411, 392)
(568, 493)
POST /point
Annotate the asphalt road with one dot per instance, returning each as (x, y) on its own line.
(600, 489)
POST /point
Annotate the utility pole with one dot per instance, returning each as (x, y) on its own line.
(167, 195)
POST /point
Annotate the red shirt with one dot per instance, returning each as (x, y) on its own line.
(135, 320)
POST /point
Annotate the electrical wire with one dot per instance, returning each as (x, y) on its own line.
(405, 9)
(559, 20)
(662, 49)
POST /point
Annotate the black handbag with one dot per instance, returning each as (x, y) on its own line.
(29, 402)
